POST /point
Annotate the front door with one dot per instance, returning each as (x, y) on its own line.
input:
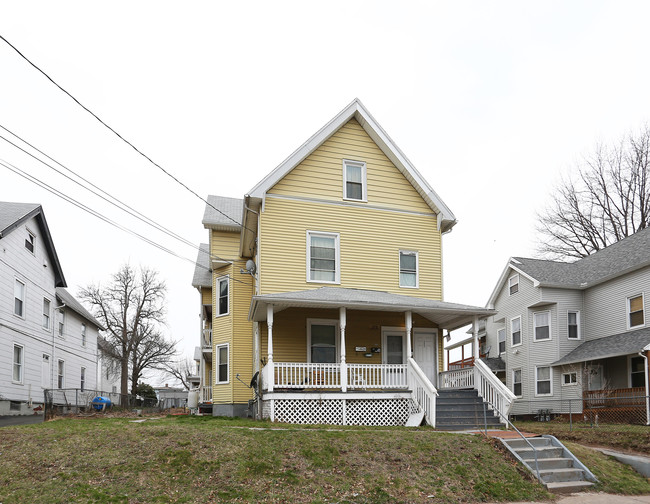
(424, 353)
(393, 353)
(595, 377)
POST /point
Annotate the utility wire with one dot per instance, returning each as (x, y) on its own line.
(121, 137)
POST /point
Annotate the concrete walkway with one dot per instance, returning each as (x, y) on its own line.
(598, 498)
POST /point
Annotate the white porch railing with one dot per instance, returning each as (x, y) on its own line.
(424, 393)
(206, 394)
(492, 389)
(300, 375)
(207, 339)
(457, 378)
(377, 376)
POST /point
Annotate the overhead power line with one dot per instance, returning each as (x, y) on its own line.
(121, 137)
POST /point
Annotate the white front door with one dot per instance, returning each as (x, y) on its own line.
(424, 353)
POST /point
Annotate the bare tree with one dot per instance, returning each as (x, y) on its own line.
(131, 307)
(608, 200)
(182, 370)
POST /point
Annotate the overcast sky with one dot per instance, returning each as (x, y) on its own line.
(492, 101)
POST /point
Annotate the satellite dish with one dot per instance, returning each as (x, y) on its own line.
(250, 266)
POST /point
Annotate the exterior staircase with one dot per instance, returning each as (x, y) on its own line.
(458, 410)
(559, 470)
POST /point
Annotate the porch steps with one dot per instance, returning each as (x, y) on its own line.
(463, 410)
(559, 470)
(415, 420)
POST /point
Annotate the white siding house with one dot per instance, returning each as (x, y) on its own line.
(47, 339)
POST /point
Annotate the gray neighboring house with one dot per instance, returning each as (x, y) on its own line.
(577, 330)
(47, 339)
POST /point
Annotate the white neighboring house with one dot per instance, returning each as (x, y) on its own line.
(108, 370)
(47, 339)
(575, 331)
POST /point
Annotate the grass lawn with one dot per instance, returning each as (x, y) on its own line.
(201, 459)
(635, 438)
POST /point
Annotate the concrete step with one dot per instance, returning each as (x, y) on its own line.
(554, 463)
(560, 475)
(543, 452)
(450, 412)
(469, 419)
(453, 401)
(568, 486)
(519, 443)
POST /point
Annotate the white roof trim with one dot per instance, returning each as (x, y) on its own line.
(504, 276)
(383, 141)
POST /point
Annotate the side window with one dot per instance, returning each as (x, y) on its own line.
(46, 313)
(354, 180)
(516, 382)
(19, 355)
(543, 381)
(513, 284)
(323, 257)
(542, 325)
(515, 331)
(60, 381)
(83, 334)
(569, 378)
(573, 325)
(635, 314)
(222, 363)
(19, 298)
(223, 305)
(29, 242)
(83, 379)
(408, 268)
(501, 335)
(61, 323)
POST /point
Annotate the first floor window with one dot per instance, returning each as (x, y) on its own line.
(322, 346)
(18, 363)
(542, 324)
(501, 336)
(323, 257)
(635, 311)
(408, 269)
(543, 380)
(573, 324)
(46, 313)
(19, 298)
(570, 378)
(637, 373)
(60, 374)
(223, 304)
(222, 363)
(516, 382)
(515, 327)
(83, 378)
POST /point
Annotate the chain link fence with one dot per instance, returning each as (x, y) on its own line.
(64, 402)
(591, 412)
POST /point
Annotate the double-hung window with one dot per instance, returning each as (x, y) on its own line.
(408, 268)
(222, 363)
(569, 378)
(82, 379)
(542, 325)
(354, 179)
(515, 331)
(637, 372)
(322, 341)
(61, 323)
(19, 355)
(513, 284)
(83, 334)
(516, 382)
(323, 257)
(573, 325)
(635, 313)
(19, 298)
(501, 337)
(222, 292)
(543, 381)
(60, 377)
(46, 313)
(29, 242)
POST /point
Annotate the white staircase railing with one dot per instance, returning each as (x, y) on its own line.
(492, 390)
(423, 391)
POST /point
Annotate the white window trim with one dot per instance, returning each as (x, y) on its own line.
(33, 235)
(550, 332)
(24, 299)
(628, 313)
(337, 266)
(417, 268)
(505, 340)
(61, 323)
(521, 382)
(572, 384)
(513, 276)
(521, 333)
(84, 334)
(332, 322)
(577, 312)
(22, 364)
(550, 379)
(218, 363)
(49, 315)
(218, 295)
(364, 184)
(58, 361)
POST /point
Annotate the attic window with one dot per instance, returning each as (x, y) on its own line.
(513, 284)
(354, 179)
(29, 242)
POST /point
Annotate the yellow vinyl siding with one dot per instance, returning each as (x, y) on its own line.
(206, 296)
(370, 241)
(222, 327)
(225, 245)
(241, 358)
(320, 175)
(363, 329)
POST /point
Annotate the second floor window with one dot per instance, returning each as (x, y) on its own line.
(542, 323)
(223, 305)
(501, 336)
(354, 176)
(323, 257)
(573, 324)
(61, 323)
(408, 268)
(19, 298)
(46, 313)
(83, 334)
(515, 326)
(635, 311)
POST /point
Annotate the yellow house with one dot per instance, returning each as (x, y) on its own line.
(323, 286)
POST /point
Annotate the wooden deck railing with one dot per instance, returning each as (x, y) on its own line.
(614, 398)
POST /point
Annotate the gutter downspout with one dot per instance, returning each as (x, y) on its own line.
(647, 375)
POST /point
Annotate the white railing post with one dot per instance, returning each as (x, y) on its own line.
(422, 391)
(344, 371)
(491, 389)
(269, 324)
(409, 325)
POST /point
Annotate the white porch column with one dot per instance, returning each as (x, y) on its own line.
(344, 367)
(409, 325)
(269, 323)
(475, 353)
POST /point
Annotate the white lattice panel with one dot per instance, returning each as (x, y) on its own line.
(309, 411)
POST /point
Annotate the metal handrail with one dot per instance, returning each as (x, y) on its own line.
(539, 478)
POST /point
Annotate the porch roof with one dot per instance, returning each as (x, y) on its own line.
(446, 315)
(627, 343)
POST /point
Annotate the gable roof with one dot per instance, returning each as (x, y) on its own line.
(202, 271)
(624, 256)
(446, 219)
(13, 215)
(70, 302)
(228, 218)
